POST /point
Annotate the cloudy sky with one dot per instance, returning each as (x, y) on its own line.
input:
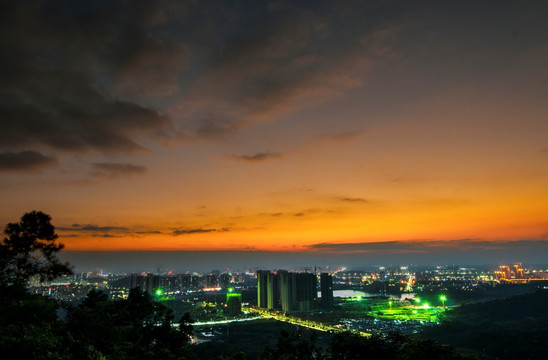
(314, 126)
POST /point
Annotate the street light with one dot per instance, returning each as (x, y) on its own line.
(443, 298)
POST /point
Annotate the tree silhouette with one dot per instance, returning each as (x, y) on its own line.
(30, 249)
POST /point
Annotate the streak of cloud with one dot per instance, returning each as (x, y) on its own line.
(91, 227)
(427, 246)
(354, 200)
(115, 170)
(191, 231)
(256, 158)
(25, 161)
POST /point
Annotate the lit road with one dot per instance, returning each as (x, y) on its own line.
(221, 321)
(304, 323)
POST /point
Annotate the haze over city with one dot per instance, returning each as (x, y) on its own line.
(315, 132)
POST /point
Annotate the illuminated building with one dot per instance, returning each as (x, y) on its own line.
(233, 304)
(519, 272)
(505, 269)
(289, 291)
(272, 291)
(183, 281)
(499, 275)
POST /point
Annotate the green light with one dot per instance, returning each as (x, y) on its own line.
(359, 297)
(159, 292)
(230, 289)
(233, 295)
(414, 311)
(443, 298)
(426, 306)
(418, 300)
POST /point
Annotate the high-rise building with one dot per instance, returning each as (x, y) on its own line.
(307, 292)
(272, 291)
(183, 282)
(212, 281)
(262, 299)
(519, 273)
(499, 275)
(289, 291)
(224, 280)
(149, 282)
(326, 288)
(506, 270)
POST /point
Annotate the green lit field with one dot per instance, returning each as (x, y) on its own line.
(408, 313)
(407, 310)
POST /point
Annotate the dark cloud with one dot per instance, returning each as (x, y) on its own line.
(91, 227)
(105, 235)
(353, 200)
(65, 67)
(429, 246)
(80, 76)
(25, 161)
(148, 232)
(274, 61)
(259, 157)
(105, 231)
(115, 170)
(178, 232)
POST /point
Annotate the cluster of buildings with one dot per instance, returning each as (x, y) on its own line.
(293, 292)
(179, 283)
(506, 274)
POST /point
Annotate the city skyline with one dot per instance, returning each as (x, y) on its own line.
(270, 130)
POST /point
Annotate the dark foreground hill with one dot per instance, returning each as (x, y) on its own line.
(508, 329)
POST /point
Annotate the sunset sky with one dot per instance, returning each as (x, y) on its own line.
(320, 126)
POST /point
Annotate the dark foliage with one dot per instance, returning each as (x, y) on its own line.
(510, 329)
(136, 328)
(30, 249)
(351, 346)
(29, 326)
(292, 347)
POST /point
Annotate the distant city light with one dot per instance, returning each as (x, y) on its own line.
(212, 289)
